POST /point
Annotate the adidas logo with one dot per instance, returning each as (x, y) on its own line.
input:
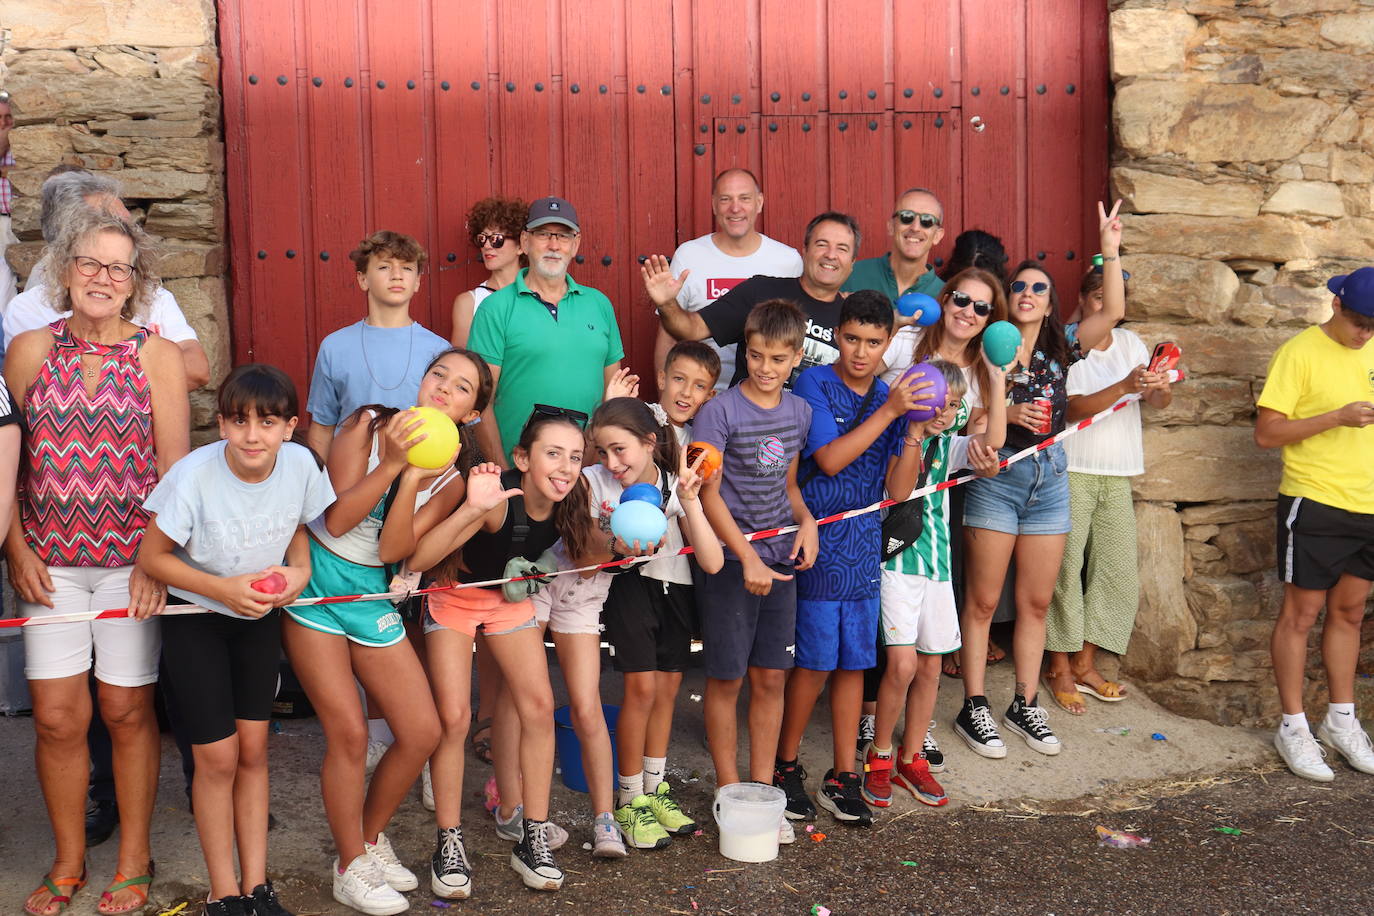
(893, 544)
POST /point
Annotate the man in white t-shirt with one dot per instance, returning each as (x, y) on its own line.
(735, 252)
(30, 309)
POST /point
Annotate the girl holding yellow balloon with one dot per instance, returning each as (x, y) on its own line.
(395, 477)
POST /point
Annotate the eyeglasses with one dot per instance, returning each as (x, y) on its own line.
(90, 267)
(496, 240)
(907, 217)
(547, 235)
(548, 410)
(963, 300)
(1039, 289)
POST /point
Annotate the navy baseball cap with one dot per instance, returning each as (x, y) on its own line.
(547, 210)
(1355, 290)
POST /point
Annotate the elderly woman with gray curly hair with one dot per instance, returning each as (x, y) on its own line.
(105, 412)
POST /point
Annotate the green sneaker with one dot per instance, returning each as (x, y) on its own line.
(669, 815)
(639, 826)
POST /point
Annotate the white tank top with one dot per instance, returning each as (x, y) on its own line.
(360, 543)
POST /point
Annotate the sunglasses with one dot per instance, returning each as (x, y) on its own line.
(1039, 289)
(907, 217)
(963, 300)
(548, 410)
(496, 239)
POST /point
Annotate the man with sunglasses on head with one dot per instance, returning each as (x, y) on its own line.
(917, 226)
(546, 337)
(829, 246)
(721, 260)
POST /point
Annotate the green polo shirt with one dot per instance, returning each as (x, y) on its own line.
(545, 360)
(876, 273)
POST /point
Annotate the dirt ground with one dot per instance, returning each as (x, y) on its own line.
(1018, 838)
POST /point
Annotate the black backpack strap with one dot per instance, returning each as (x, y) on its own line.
(812, 469)
(515, 506)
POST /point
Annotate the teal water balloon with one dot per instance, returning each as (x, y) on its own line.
(1001, 340)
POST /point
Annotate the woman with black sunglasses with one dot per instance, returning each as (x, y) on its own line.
(494, 224)
(1024, 512)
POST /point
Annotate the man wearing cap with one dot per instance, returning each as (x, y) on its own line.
(549, 340)
(1317, 404)
(917, 225)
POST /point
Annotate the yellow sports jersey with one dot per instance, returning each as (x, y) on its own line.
(1310, 375)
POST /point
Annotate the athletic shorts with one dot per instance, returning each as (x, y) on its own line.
(221, 669)
(837, 634)
(571, 604)
(919, 612)
(649, 623)
(742, 631)
(368, 623)
(467, 609)
(125, 650)
(1317, 543)
(1028, 497)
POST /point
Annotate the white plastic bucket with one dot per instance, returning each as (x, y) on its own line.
(749, 815)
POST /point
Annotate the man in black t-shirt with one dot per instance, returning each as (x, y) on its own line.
(830, 246)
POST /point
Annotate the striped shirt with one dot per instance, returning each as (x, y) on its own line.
(930, 556)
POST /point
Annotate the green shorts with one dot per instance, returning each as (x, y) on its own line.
(368, 623)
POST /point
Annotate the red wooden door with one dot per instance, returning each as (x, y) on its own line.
(347, 116)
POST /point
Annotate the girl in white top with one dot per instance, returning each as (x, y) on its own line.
(384, 507)
(1103, 458)
(495, 224)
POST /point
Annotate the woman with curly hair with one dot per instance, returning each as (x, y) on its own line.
(494, 225)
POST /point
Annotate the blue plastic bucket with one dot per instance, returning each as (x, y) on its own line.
(570, 749)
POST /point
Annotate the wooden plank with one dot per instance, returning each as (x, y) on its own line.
(528, 140)
(859, 56)
(993, 37)
(926, 55)
(725, 53)
(928, 156)
(796, 150)
(792, 54)
(861, 173)
(234, 86)
(1092, 93)
(1054, 153)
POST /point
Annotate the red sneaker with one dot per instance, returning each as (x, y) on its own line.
(915, 778)
(877, 789)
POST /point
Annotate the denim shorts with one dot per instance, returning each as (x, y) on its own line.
(1028, 497)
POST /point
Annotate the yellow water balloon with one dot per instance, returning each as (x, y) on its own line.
(441, 445)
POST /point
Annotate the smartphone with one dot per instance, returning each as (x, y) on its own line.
(1165, 357)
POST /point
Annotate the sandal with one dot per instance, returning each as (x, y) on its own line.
(1109, 692)
(1071, 701)
(950, 666)
(55, 887)
(481, 747)
(139, 886)
(995, 653)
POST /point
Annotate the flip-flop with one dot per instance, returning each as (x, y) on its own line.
(1063, 699)
(481, 747)
(139, 885)
(995, 653)
(950, 666)
(1106, 693)
(56, 887)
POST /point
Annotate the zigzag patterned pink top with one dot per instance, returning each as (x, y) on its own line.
(91, 460)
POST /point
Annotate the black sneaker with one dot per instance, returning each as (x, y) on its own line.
(264, 902)
(229, 906)
(841, 795)
(975, 725)
(790, 776)
(1030, 722)
(865, 737)
(102, 817)
(533, 861)
(931, 751)
(450, 872)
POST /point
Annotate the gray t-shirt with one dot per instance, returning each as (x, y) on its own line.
(226, 526)
(757, 445)
(360, 364)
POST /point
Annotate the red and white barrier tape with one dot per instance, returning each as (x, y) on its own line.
(627, 561)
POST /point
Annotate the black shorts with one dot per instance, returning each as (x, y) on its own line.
(1317, 543)
(221, 669)
(649, 622)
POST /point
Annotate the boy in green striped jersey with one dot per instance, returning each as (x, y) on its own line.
(920, 622)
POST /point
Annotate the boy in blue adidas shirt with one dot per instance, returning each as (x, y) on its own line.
(920, 622)
(854, 444)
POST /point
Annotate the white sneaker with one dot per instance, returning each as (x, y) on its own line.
(363, 888)
(375, 750)
(396, 874)
(786, 835)
(1353, 744)
(426, 789)
(1303, 754)
(511, 830)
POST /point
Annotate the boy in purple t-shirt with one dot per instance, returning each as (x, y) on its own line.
(749, 608)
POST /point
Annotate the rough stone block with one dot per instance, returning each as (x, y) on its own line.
(1209, 401)
(106, 96)
(23, 256)
(1350, 30)
(200, 63)
(1166, 286)
(1235, 353)
(1205, 464)
(1149, 41)
(1267, 238)
(39, 146)
(202, 299)
(1320, 69)
(148, 127)
(194, 154)
(1307, 199)
(123, 63)
(1154, 192)
(1164, 626)
(192, 259)
(88, 23)
(1248, 546)
(1213, 122)
(1352, 167)
(47, 63)
(24, 213)
(200, 219)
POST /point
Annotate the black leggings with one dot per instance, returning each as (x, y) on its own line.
(221, 669)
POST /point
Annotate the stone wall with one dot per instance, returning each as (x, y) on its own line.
(128, 88)
(1244, 151)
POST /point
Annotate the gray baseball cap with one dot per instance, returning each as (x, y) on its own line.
(547, 210)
